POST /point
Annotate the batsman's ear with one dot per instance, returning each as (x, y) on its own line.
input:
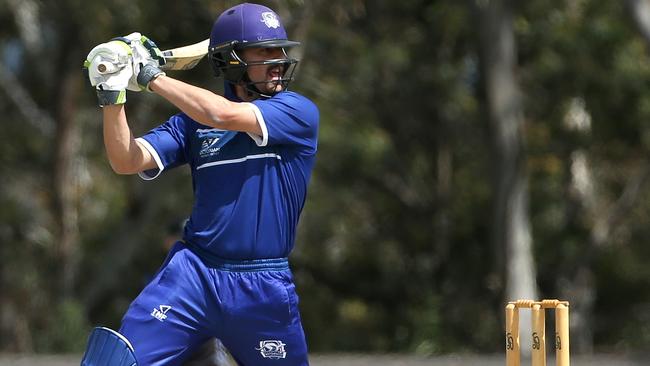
(221, 57)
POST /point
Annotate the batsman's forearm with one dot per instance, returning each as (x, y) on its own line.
(199, 104)
(124, 153)
(205, 106)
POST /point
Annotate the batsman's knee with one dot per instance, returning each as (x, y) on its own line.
(107, 347)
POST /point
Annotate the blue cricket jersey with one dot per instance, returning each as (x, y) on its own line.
(248, 190)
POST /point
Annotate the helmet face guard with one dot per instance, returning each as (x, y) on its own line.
(226, 61)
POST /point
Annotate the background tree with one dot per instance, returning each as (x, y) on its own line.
(511, 229)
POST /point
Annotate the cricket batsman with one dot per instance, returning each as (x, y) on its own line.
(251, 153)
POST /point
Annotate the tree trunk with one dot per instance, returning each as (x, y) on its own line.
(511, 233)
(640, 12)
(65, 91)
(65, 183)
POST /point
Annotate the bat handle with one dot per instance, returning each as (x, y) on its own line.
(106, 67)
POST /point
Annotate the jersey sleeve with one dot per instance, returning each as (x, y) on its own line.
(167, 144)
(287, 119)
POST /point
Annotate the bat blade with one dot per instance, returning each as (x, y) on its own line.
(186, 57)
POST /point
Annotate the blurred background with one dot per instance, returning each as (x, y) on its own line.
(471, 152)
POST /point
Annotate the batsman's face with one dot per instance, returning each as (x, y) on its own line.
(267, 76)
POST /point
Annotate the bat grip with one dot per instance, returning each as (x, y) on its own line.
(107, 67)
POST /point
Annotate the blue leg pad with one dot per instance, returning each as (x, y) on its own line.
(107, 347)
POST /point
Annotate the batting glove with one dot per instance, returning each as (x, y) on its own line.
(146, 56)
(147, 73)
(110, 67)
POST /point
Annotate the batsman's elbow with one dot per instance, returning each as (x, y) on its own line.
(132, 161)
(122, 168)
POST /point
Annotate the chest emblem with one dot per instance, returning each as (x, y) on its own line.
(212, 140)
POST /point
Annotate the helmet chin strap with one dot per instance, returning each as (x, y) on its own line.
(251, 88)
(253, 91)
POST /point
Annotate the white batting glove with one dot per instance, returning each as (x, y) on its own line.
(110, 67)
(144, 53)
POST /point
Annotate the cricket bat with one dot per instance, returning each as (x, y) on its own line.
(186, 57)
(180, 58)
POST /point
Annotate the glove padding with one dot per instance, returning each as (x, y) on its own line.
(115, 66)
(110, 67)
(146, 55)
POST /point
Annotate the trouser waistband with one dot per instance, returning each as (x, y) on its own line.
(238, 265)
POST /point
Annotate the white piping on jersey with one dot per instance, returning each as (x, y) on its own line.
(239, 160)
(208, 129)
(156, 158)
(264, 139)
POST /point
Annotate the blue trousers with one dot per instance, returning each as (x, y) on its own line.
(252, 307)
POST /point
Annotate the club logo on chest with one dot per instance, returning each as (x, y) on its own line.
(209, 142)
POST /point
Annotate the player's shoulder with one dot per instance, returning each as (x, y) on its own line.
(292, 99)
(291, 103)
(291, 95)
